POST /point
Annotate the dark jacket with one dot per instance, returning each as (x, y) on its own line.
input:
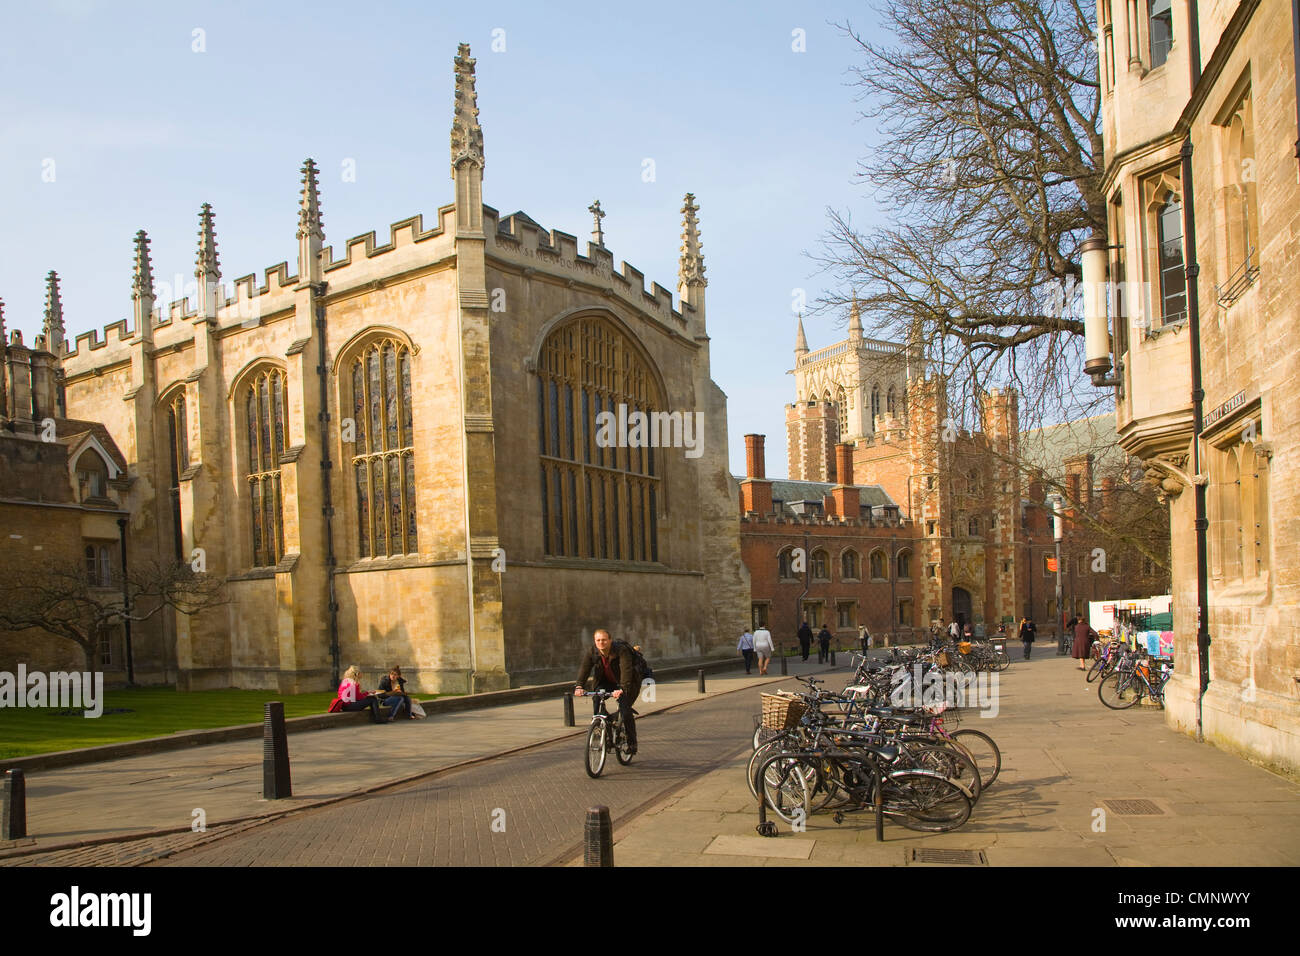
(621, 662)
(805, 634)
(824, 637)
(1027, 632)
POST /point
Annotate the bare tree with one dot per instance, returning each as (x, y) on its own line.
(988, 171)
(63, 599)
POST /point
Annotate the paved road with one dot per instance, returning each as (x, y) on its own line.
(536, 801)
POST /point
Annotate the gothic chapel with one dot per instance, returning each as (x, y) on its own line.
(390, 453)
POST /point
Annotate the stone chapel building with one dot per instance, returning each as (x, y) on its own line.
(391, 450)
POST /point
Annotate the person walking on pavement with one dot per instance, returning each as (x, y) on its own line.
(823, 646)
(805, 638)
(763, 648)
(1083, 638)
(1027, 632)
(611, 665)
(746, 648)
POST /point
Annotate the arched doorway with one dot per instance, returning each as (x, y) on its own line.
(961, 605)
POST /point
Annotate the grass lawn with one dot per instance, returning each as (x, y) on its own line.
(139, 712)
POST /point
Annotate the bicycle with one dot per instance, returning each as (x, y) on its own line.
(1133, 679)
(605, 734)
(1105, 657)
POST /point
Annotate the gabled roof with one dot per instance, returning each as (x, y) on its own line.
(74, 434)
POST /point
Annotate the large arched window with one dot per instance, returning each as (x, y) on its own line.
(383, 458)
(265, 427)
(598, 409)
(178, 439)
(821, 565)
(875, 405)
(784, 564)
(890, 400)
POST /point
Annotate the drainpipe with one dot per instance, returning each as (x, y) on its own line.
(327, 494)
(1198, 393)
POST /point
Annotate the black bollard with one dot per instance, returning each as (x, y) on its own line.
(784, 666)
(832, 657)
(13, 817)
(275, 754)
(568, 709)
(700, 677)
(598, 838)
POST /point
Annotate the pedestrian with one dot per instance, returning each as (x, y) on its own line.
(968, 632)
(1027, 633)
(954, 631)
(1083, 638)
(763, 648)
(805, 638)
(746, 648)
(823, 646)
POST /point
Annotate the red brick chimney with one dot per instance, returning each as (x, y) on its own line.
(845, 496)
(755, 490)
(1107, 492)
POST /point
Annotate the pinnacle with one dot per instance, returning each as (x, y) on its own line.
(53, 303)
(207, 264)
(466, 133)
(691, 269)
(142, 282)
(309, 214)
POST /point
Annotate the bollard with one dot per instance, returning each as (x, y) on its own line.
(832, 657)
(598, 838)
(700, 677)
(568, 709)
(275, 754)
(784, 670)
(13, 817)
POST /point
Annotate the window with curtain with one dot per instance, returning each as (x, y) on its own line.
(599, 501)
(265, 430)
(383, 455)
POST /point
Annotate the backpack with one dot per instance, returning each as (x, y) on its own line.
(643, 669)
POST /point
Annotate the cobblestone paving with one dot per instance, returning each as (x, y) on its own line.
(541, 796)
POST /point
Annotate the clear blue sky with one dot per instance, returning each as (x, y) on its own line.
(142, 130)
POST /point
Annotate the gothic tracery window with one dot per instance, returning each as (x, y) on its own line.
(600, 486)
(383, 459)
(265, 428)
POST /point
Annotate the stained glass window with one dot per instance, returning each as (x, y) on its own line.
(383, 461)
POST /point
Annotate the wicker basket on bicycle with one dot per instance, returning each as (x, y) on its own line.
(781, 711)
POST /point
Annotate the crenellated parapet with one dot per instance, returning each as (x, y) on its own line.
(521, 244)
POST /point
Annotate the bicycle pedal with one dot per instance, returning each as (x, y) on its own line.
(839, 816)
(767, 829)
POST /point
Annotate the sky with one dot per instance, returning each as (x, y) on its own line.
(119, 116)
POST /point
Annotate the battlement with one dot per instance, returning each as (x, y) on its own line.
(401, 235)
(519, 240)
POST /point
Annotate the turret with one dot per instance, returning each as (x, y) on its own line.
(311, 229)
(800, 341)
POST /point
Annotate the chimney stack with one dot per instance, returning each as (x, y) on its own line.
(755, 490)
(846, 499)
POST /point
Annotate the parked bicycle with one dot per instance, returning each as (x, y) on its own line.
(1135, 676)
(605, 735)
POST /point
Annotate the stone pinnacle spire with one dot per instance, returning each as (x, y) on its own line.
(691, 266)
(207, 266)
(466, 134)
(142, 280)
(53, 328)
(309, 217)
(4, 363)
(800, 340)
(855, 319)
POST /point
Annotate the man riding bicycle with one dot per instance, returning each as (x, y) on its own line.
(612, 667)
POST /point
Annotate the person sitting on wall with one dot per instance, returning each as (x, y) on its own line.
(392, 687)
(352, 697)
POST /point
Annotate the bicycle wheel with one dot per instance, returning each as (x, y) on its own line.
(1002, 660)
(1120, 690)
(925, 801)
(596, 748)
(985, 753)
(951, 761)
(1095, 671)
(785, 788)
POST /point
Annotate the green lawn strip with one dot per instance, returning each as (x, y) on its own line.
(141, 712)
